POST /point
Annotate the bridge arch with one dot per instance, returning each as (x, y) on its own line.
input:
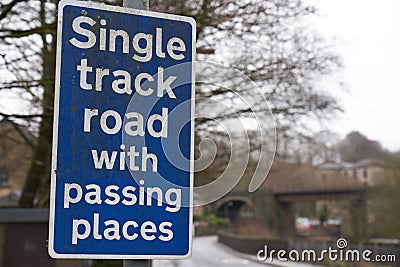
(230, 206)
(228, 199)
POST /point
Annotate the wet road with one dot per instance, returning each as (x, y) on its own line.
(207, 252)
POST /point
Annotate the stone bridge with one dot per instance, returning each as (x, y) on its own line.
(286, 186)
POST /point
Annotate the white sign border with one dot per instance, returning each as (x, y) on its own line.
(124, 10)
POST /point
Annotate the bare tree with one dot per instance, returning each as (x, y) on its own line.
(28, 34)
(269, 41)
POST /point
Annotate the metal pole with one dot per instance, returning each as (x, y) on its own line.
(137, 4)
(144, 5)
(137, 263)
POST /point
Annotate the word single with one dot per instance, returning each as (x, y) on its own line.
(142, 43)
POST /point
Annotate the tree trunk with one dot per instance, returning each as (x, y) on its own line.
(38, 178)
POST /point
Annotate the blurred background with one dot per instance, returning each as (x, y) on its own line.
(329, 73)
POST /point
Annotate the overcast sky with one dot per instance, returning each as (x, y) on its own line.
(368, 37)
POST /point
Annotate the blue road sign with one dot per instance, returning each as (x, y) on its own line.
(123, 134)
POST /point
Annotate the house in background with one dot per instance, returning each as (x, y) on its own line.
(366, 171)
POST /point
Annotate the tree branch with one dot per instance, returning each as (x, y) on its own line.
(20, 116)
(7, 8)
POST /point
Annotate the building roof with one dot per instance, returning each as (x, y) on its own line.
(291, 178)
(364, 163)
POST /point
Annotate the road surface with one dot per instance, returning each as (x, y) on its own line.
(207, 252)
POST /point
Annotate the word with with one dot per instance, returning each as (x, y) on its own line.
(109, 162)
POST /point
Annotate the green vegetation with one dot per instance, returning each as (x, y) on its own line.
(215, 221)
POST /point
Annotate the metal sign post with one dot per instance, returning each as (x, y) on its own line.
(144, 5)
(137, 4)
(122, 170)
